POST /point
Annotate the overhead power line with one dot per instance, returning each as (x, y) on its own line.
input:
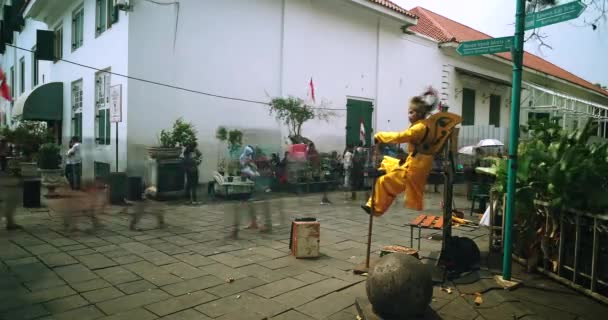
(166, 84)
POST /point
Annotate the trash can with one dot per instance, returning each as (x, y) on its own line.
(31, 193)
(135, 188)
(118, 187)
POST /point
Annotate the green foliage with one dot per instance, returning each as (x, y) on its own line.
(166, 139)
(221, 133)
(235, 140)
(560, 168)
(293, 112)
(49, 156)
(29, 135)
(182, 134)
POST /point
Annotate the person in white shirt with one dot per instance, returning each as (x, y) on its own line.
(347, 162)
(73, 164)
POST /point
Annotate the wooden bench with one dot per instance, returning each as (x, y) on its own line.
(426, 222)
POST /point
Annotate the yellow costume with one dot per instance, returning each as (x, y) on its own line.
(424, 138)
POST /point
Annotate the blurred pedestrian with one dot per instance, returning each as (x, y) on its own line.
(73, 166)
(192, 159)
(88, 203)
(4, 153)
(347, 163)
(142, 208)
(10, 199)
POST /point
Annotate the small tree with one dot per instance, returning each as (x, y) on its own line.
(234, 141)
(293, 112)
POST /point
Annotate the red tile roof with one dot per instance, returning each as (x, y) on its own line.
(391, 5)
(443, 29)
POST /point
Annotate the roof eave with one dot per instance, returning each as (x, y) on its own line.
(454, 45)
(386, 12)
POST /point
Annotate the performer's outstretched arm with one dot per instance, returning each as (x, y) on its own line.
(414, 133)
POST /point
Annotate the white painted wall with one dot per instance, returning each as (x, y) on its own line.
(108, 50)
(25, 39)
(257, 50)
(408, 66)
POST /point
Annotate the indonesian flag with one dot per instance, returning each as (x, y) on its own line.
(361, 131)
(311, 89)
(5, 91)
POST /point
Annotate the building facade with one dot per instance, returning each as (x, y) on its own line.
(216, 63)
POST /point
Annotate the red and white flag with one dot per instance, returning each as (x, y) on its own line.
(311, 90)
(5, 91)
(361, 131)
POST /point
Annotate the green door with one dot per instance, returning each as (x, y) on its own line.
(468, 107)
(357, 111)
(495, 110)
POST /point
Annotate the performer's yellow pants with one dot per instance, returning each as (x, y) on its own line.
(410, 177)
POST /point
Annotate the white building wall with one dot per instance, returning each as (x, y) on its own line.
(25, 39)
(257, 50)
(408, 65)
(108, 50)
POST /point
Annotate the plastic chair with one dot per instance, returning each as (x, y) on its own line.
(480, 192)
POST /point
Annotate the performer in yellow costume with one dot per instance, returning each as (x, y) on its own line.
(411, 175)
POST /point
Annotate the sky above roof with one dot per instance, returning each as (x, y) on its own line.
(575, 46)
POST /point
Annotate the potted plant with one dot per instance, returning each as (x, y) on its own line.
(234, 141)
(49, 162)
(28, 136)
(172, 141)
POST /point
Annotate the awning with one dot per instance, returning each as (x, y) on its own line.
(43, 103)
(483, 77)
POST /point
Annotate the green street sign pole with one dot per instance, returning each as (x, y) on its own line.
(561, 13)
(517, 53)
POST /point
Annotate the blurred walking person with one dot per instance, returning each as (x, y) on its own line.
(192, 159)
(10, 197)
(74, 164)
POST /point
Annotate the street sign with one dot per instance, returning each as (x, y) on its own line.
(116, 103)
(486, 46)
(561, 13)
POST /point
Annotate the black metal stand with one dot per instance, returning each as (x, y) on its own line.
(364, 268)
(444, 260)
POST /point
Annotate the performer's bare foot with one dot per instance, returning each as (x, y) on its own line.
(252, 226)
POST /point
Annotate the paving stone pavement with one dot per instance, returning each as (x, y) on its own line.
(191, 270)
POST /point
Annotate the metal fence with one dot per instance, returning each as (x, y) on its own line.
(470, 135)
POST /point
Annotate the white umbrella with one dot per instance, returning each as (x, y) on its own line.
(470, 150)
(490, 143)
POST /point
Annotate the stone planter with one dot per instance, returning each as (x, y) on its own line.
(28, 169)
(164, 153)
(52, 179)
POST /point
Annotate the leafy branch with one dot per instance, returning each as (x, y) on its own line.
(600, 7)
(293, 113)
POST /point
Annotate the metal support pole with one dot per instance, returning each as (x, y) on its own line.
(577, 244)
(373, 208)
(594, 256)
(560, 252)
(116, 146)
(517, 54)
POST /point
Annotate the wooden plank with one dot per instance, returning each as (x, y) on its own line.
(439, 223)
(428, 221)
(418, 220)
